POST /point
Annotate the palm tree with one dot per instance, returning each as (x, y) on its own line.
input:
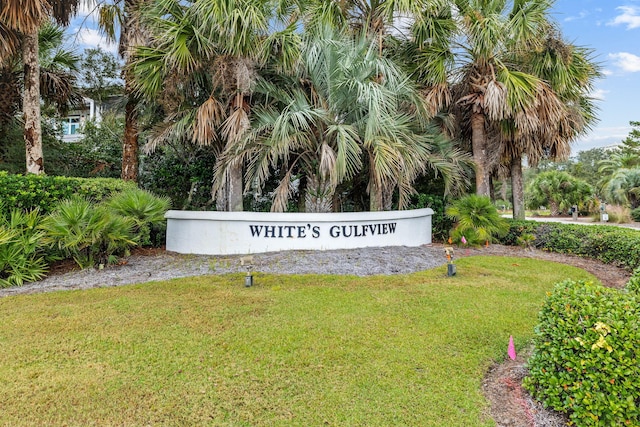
(58, 68)
(21, 19)
(344, 110)
(559, 191)
(463, 53)
(561, 112)
(124, 14)
(202, 70)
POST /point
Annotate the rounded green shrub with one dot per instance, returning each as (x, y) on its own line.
(635, 214)
(586, 357)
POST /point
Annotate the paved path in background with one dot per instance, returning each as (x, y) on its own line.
(580, 220)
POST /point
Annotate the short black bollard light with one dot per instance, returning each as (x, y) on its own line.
(247, 261)
(451, 267)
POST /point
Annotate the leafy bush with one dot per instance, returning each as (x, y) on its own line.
(633, 285)
(635, 214)
(43, 192)
(89, 234)
(146, 210)
(609, 244)
(477, 220)
(183, 173)
(440, 223)
(21, 248)
(586, 358)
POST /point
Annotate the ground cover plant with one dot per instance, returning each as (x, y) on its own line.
(292, 350)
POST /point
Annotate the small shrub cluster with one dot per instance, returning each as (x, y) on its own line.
(88, 232)
(22, 254)
(611, 245)
(476, 220)
(619, 214)
(43, 192)
(635, 214)
(586, 357)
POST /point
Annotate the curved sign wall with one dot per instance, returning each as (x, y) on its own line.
(226, 233)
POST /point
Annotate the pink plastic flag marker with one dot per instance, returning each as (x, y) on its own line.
(512, 349)
(463, 240)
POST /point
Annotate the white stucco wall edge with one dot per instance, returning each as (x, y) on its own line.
(225, 233)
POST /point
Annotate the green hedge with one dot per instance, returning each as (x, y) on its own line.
(440, 223)
(586, 359)
(31, 191)
(610, 244)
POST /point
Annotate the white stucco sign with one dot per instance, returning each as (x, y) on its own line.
(225, 233)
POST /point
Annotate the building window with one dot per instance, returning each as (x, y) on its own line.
(71, 125)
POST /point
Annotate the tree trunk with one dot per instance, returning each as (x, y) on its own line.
(130, 141)
(319, 195)
(479, 147)
(517, 189)
(31, 104)
(229, 197)
(380, 198)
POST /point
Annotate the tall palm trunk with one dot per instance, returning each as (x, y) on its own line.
(517, 188)
(229, 197)
(130, 140)
(133, 35)
(479, 147)
(31, 104)
(319, 195)
(380, 197)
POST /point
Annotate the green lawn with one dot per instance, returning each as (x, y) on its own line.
(292, 350)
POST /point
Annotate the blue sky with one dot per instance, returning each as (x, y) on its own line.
(610, 27)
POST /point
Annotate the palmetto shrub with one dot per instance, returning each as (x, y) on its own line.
(87, 233)
(476, 219)
(145, 209)
(21, 248)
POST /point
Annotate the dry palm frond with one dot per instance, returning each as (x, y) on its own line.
(495, 100)
(327, 167)
(437, 98)
(24, 16)
(283, 193)
(9, 42)
(237, 124)
(233, 74)
(208, 117)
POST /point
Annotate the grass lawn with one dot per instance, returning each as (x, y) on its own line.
(292, 350)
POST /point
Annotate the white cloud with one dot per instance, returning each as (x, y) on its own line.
(91, 38)
(630, 17)
(599, 94)
(583, 14)
(607, 72)
(626, 61)
(88, 10)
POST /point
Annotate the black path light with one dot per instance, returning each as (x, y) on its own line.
(451, 267)
(247, 261)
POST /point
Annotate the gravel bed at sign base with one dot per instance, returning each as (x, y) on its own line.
(163, 265)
